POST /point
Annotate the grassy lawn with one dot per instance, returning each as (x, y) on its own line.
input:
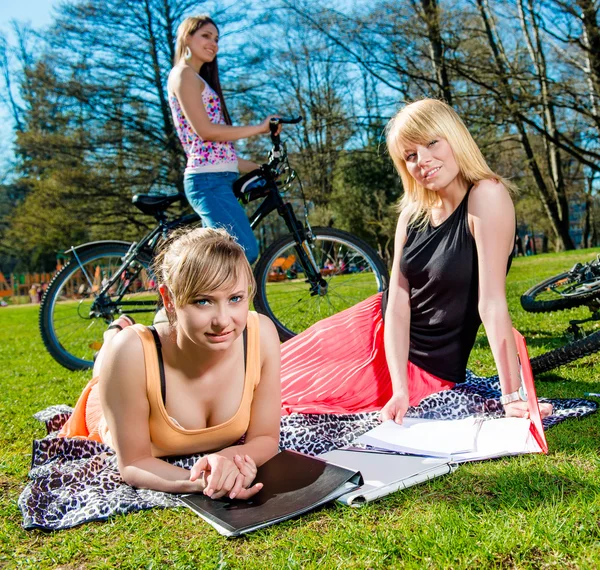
(521, 512)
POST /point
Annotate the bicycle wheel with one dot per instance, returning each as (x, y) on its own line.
(565, 354)
(563, 291)
(352, 269)
(73, 317)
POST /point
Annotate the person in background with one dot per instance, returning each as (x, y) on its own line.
(205, 130)
(528, 249)
(518, 246)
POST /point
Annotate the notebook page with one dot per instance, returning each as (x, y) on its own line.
(438, 438)
(501, 436)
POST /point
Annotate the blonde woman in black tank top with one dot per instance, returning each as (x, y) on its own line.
(453, 245)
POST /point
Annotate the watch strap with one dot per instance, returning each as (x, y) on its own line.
(509, 398)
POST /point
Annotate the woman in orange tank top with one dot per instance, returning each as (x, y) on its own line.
(194, 385)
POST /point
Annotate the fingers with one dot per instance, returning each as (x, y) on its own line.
(247, 493)
(545, 410)
(238, 486)
(385, 414)
(214, 479)
(199, 467)
(399, 415)
(517, 410)
(227, 484)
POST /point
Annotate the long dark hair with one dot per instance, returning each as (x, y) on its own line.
(210, 70)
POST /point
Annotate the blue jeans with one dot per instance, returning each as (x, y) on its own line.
(211, 196)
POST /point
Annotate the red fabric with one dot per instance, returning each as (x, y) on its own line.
(338, 366)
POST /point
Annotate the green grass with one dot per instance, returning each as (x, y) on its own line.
(292, 303)
(520, 512)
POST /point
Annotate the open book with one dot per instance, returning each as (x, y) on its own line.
(472, 438)
(294, 483)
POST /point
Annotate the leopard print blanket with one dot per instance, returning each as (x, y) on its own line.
(75, 481)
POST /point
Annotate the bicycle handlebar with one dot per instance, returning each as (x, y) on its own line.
(284, 121)
(274, 124)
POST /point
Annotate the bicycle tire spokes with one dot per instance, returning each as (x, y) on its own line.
(348, 272)
(77, 311)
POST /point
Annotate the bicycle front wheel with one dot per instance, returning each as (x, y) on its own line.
(351, 268)
(563, 291)
(73, 313)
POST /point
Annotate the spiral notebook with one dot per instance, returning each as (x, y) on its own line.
(384, 473)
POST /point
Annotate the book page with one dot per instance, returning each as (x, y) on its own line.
(437, 438)
(502, 436)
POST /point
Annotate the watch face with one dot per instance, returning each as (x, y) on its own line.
(522, 394)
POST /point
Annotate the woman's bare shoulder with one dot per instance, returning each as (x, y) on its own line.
(124, 356)
(268, 331)
(183, 75)
(490, 196)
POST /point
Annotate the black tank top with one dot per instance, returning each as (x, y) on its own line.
(440, 264)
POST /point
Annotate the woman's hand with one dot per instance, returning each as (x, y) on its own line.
(395, 408)
(265, 125)
(520, 409)
(247, 468)
(222, 476)
(219, 473)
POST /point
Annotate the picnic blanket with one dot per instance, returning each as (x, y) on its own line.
(74, 481)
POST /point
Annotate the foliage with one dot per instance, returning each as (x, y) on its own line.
(93, 127)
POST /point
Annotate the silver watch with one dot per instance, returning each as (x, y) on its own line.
(520, 394)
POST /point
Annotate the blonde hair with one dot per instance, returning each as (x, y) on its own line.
(195, 262)
(419, 123)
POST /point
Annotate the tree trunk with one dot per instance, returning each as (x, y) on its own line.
(432, 20)
(173, 146)
(554, 208)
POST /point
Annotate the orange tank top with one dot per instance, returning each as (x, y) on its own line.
(166, 436)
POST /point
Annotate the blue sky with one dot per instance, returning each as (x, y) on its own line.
(38, 14)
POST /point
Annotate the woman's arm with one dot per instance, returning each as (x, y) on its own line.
(492, 222)
(262, 437)
(246, 165)
(125, 404)
(188, 87)
(397, 330)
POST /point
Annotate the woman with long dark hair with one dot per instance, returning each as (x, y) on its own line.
(204, 128)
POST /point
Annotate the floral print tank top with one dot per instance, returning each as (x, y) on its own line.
(204, 156)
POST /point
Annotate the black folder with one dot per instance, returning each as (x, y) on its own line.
(294, 483)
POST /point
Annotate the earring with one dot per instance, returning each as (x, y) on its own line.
(187, 54)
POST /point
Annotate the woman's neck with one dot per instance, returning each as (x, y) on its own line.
(194, 63)
(452, 195)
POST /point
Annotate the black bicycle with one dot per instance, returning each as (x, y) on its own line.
(307, 275)
(579, 286)
(574, 288)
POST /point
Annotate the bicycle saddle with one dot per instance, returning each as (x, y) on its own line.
(153, 205)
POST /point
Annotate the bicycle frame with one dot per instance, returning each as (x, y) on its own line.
(274, 201)
(102, 306)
